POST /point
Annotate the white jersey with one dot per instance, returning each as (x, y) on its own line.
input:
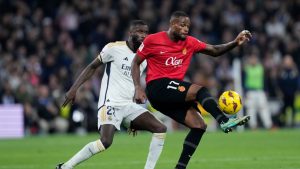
(117, 85)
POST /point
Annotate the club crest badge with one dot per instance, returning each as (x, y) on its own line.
(181, 88)
(184, 51)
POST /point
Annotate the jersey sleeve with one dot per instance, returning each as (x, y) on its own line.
(144, 50)
(144, 65)
(107, 53)
(197, 44)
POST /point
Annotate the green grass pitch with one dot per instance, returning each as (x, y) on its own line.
(246, 150)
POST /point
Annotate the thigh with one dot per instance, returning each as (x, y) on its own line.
(131, 112)
(148, 122)
(167, 91)
(112, 115)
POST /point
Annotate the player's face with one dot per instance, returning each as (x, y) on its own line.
(181, 27)
(138, 34)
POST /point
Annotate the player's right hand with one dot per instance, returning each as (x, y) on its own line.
(140, 96)
(243, 37)
(69, 98)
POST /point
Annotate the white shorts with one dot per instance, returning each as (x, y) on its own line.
(115, 115)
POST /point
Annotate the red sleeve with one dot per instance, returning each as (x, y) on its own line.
(144, 50)
(197, 44)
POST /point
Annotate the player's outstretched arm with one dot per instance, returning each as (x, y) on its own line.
(83, 77)
(139, 95)
(217, 50)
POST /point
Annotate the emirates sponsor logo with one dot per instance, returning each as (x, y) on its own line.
(173, 61)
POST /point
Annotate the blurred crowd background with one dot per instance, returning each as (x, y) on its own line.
(44, 45)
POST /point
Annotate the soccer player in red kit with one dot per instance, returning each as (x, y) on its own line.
(168, 56)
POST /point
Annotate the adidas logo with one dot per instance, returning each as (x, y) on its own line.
(125, 59)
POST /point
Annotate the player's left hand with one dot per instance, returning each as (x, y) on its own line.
(243, 37)
(140, 96)
(69, 98)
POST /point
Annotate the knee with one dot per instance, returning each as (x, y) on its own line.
(203, 126)
(107, 142)
(193, 92)
(159, 129)
(203, 95)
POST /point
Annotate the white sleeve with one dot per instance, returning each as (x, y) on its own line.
(106, 55)
(143, 65)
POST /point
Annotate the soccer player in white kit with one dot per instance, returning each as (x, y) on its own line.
(116, 99)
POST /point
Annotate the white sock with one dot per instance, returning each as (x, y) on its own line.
(155, 149)
(85, 153)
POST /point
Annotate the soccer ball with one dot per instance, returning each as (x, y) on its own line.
(230, 102)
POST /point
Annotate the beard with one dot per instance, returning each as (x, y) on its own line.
(179, 36)
(136, 42)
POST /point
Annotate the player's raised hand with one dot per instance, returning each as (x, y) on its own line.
(243, 37)
(140, 96)
(69, 98)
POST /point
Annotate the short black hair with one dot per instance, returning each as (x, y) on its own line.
(178, 14)
(134, 23)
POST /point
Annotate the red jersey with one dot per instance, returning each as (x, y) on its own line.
(168, 59)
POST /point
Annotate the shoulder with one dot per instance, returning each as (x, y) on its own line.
(195, 42)
(111, 49)
(192, 39)
(113, 46)
(116, 44)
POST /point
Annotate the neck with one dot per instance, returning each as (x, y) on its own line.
(130, 44)
(171, 36)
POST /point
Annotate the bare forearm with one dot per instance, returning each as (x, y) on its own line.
(217, 50)
(139, 94)
(223, 48)
(135, 72)
(86, 74)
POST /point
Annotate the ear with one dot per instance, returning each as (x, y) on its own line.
(129, 32)
(173, 22)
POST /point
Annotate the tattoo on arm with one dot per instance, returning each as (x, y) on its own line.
(217, 50)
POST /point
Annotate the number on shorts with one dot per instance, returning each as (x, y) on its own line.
(173, 85)
(110, 110)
